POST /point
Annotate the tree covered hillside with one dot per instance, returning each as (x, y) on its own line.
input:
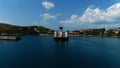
(23, 30)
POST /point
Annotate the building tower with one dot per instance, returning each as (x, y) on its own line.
(61, 31)
(61, 28)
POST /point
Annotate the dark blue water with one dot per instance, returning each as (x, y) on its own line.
(45, 52)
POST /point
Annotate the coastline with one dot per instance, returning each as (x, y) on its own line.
(94, 36)
(18, 37)
(75, 35)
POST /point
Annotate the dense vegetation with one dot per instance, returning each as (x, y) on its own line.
(23, 30)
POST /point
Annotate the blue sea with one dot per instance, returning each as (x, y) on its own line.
(45, 52)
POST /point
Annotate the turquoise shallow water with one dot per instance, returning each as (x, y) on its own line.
(45, 52)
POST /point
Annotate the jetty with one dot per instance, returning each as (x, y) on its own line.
(60, 35)
(10, 37)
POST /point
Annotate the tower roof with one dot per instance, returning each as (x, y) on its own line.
(61, 27)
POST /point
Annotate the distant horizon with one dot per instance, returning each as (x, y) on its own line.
(72, 15)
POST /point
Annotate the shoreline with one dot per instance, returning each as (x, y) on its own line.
(85, 36)
(69, 35)
(76, 35)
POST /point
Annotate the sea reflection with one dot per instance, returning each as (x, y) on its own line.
(61, 42)
(60, 52)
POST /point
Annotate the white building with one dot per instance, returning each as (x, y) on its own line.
(60, 33)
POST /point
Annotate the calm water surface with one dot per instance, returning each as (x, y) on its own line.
(45, 52)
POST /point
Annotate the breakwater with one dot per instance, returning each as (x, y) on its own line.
(10, 38)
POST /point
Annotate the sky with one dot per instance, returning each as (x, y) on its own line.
(71, 14)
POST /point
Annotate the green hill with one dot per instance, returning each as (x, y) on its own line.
(23, 30)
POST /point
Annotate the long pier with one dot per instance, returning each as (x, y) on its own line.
(6, 37)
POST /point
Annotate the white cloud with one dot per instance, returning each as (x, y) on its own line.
(94, 15)
(48, 5)
(47, 16)
(73, 19)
